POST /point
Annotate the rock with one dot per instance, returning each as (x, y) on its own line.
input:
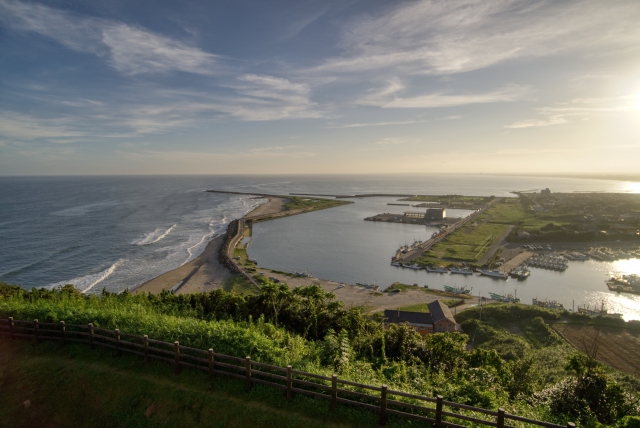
(150, 410)
(27, 404)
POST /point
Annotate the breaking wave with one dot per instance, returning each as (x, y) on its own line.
(154, 236)
(87, 282)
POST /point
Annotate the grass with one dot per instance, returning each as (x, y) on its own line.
(468, 244)
(403, 288)
(446, 198)
(79, 387)
(296, 203)
(421, 307)
(240, 285)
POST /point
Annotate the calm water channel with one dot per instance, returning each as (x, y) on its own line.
(337, 244)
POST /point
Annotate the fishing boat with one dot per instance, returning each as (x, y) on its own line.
(549, 304)
(494, 274)
(439, 269)
(462, 271)
(415, 267)
(303, 274)
(507, 298)
(457, 290)
(398, 264)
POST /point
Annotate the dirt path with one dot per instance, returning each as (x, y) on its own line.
(496, 245)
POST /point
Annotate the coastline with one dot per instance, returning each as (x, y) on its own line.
(205, 272)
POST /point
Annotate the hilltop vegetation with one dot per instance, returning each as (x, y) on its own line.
(527, 371)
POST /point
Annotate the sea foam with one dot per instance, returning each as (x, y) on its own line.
(154, 236)
(87, 282)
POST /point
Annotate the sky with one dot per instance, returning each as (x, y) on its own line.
(244, 86)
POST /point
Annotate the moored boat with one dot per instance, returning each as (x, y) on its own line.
(462, 271)
(494, 274)
(439, 269)
(457, 290)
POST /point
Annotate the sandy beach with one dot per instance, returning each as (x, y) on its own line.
(209, 273)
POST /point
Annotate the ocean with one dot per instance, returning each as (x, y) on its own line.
(116, 232)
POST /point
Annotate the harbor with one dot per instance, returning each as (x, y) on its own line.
(338, 246)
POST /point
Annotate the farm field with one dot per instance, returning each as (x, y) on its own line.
(617, 347)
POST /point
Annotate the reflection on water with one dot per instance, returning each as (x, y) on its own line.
(336, 244)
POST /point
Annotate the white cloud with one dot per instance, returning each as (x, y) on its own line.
(561, 112)
(536, 123)
(390, 97)
(444, 37)
(24, 127)
(129, 50)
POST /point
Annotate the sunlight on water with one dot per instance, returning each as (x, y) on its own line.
(632, 187)
(627, 267)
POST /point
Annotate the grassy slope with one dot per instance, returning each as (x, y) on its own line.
(80, 387)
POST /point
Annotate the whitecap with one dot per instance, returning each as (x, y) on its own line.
(83, 209)
(87, 282)
(154, 236)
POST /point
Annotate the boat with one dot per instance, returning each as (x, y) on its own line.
(549, 304)
(507, 298)
(462, 271)
(398, 264)
(372, 286)
(457, 290)
(439, 269)
(415, 267)
(494, 274)
(303, 274)
(520, 273)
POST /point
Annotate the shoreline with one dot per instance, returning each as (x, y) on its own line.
(205, 272)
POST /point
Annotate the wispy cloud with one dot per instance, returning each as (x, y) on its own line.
(392, 123)
(562, 112)
(437, 37)
(130, 50)
(391, 97)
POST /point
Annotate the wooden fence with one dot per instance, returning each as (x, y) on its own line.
(379, 399)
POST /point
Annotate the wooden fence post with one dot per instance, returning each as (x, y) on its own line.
(247, 366)
(145, 340)
(90, 325)
(176, 350)
(211, 366)
(383, 407)
(11, 324)
(117, 336)
(289, 382)
(334, 391)
(62, 330)
(500, 417)
(36, 328)
(439, 411)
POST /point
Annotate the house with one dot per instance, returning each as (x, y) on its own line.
(438, 319)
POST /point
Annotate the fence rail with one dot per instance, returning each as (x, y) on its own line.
(253, 372)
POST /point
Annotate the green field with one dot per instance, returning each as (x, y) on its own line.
(467, 244)
(240, 285)
(448, 198)
(296, 203)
